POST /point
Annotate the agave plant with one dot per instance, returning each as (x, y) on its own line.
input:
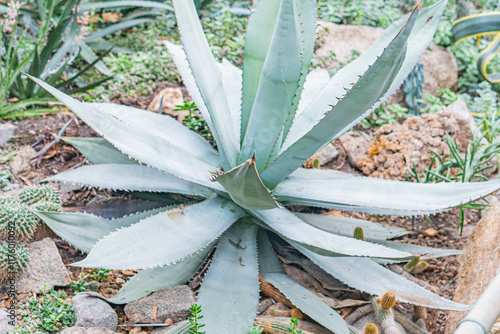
(267, 120)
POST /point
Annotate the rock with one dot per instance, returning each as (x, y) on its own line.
(327, 154)
(430, 232)
(7, 130)
(395, 146)
(356, 148)
(93, 312)
(5, 318)
(440, 67)
(264, 305)
(479, 264)
(20, 164)
(45, 266)
(86, 330)
(172, 97)
(173, 303)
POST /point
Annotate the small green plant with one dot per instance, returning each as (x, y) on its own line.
(293, 326)
(45, 314)
(386, 114)
(98, 275)
(195, 122)
(80, 285)
(195, 311)
(413, 88)
(255, 330)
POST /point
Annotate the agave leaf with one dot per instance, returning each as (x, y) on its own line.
(276, 88)
(180, 59)
(156, 124)
(426, 253)
(345, 226)
(232, 80)
(89, 55)
(307, 17)
(305, 300)
(98, 150)
(143, 146)
(420, 37)
(229, 294)
(316, 80)
(338, 190)
(208, 79)
(364, 93)
(125, 24)
(258, 39)
(164, 238)
(367, 276)
(130, 178)
(83, 230)
(245, 187)
(308, 302)
(287, 224)
(150, 280)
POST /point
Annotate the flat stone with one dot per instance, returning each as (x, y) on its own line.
(93, 312)
(87, 330)
(45, 266)
(7, 131)
(173, 303)
(479, 264)
(6, 322)
(20, 164)
(327, 154)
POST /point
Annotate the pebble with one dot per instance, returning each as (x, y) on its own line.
(93, 312)
(430, 232)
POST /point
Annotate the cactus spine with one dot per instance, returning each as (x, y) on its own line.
(371, 328)
(13, 259)
(388, 300)
(383, 311)
(359, 233)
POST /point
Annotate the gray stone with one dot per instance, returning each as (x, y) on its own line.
(5, 318)
(20, 164)
(356, 148)
(7, 131)
(87, 330)
(93, 312)
(327, 154)
(45, 266)
(173, 303)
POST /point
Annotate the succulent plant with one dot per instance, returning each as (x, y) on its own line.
(359, 233)
(19, 220)
(388, 300)
(13, 259)
(39, 193)
(267, 120)
(371, 328)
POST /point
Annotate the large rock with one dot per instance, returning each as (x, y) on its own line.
(440, 66)
(7, 131)
(5, 322)
(172, 97)
(479, 264)
(395, 146)
(86, 330)
(20, 164)
(93, 312)
(45, 267)
(173, 303)
(356, 148)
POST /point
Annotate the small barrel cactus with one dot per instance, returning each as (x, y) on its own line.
(47, 206)
(371, 328)
(359, 233)
(388, 300)
(39, 193)
(13, 259)
(412, 264)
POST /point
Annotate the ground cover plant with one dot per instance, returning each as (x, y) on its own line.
(267, 120)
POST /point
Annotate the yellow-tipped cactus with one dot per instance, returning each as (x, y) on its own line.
(359, 233)
(388, 300)
(371, 328)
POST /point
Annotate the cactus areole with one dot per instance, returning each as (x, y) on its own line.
(267, 119)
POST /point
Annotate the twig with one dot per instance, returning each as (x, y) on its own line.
(358, 313)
